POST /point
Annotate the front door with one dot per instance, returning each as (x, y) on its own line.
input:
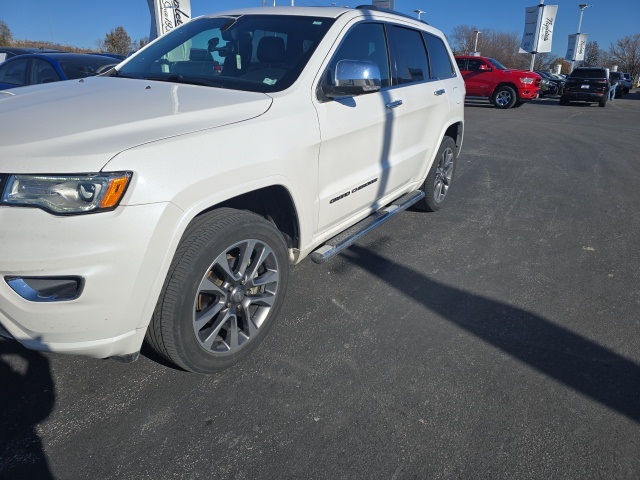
(359, 134)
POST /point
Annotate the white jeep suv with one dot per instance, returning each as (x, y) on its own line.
(167, 198)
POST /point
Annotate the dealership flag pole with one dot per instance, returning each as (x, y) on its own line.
(535, 44)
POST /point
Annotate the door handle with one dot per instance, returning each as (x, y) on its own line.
(395, 104)
(437, 93)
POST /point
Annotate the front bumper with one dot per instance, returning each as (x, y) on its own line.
(121, 256)
(528, 93)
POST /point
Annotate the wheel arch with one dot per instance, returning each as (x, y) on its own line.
(455, 131)
(506, 84)
(273, 203)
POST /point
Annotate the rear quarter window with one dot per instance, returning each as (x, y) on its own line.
(441, 65)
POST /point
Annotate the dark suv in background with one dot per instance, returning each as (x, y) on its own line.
(586, 84)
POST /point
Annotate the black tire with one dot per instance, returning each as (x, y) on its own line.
(504, 97)
(223, 291)
(564, 101)
(440, 177)
(602, 103)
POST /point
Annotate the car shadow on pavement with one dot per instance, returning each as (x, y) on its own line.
(564, 356)
(27, 397)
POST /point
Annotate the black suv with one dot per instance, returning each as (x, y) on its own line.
(586, 84)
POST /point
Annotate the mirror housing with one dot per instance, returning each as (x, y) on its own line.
(354, 77)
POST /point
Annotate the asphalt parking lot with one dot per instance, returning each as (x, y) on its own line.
(496, 339)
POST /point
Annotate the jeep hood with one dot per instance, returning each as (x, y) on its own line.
(78, 126)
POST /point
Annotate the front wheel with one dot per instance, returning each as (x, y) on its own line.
(438, 181)
(223, 292)
(504, 97)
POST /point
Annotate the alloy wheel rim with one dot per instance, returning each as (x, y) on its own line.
(235, 296)
(503, 98)
(444, 174)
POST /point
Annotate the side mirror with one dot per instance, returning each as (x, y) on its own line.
(354, 77)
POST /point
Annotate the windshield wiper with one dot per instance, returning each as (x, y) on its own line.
(185, 80)
(118, 73)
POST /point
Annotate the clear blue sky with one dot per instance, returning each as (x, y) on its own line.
(82, 23)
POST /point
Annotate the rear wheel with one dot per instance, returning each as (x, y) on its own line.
(564, 101)
(602, 102)
(436, 186)
(504, 97)
(223, 292)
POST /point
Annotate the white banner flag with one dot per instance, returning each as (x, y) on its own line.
(530, 26)
(538, 29)
(577, 47)
(167, 15)
(545, 34)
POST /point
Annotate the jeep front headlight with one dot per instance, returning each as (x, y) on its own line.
(67, 194)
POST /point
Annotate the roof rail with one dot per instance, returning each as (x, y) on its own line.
(388, 10)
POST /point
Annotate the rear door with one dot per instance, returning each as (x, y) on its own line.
(425, 97)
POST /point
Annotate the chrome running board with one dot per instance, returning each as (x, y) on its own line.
(345, 239)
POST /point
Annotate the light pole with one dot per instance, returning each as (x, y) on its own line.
(582, 7)
(419, 12)
(475, 44)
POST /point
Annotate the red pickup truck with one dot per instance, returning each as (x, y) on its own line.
(505, 88)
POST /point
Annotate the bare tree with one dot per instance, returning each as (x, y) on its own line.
(626, 54)
(142, 42)
(463, 39)
(593, 56)
(116, 41)
(565, 67)
(6, 38)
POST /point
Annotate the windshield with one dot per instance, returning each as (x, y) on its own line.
(259, 53)
(496, 64)
(79, 68)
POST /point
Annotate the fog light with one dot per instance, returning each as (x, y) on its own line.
(46, 289)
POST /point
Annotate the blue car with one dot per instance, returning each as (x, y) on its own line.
(8, 52)
(33, 69)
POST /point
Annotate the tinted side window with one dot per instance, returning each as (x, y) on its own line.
(461, 64)
(474, 65)
(42, 72)
(409, 58)
(439, 59)
(14, 72)
(366, 41)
